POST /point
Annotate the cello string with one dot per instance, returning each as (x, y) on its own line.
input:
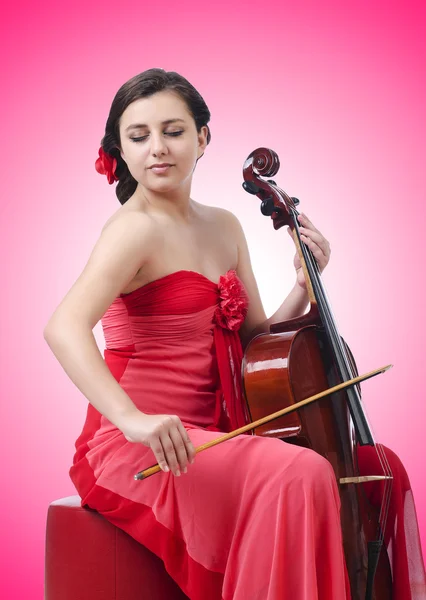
(384, 464)
(325, 305)
(383, 517)
(321, 296)
(344, 365)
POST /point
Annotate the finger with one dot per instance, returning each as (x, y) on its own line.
(169, 451)
(318, 238)
(303, 219)
(316, 251)
(190, 450)
(180, 448)
(157, 449)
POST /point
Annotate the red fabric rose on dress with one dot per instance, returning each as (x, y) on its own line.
(233, 302)
(106, 165)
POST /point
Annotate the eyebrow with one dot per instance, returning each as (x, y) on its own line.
(167, 122)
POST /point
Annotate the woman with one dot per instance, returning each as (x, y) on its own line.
(171, 281)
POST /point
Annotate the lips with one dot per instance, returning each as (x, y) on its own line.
(162, 165)
(161, 170)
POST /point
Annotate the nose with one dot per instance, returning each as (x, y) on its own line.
(158, 145)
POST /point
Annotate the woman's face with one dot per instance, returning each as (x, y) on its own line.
(147, 139)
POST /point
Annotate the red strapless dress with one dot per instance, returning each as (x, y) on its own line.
(173, 346)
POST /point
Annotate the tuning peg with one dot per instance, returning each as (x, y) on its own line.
(267, 207)
(251, 187)
(271, 181)
(296, 201)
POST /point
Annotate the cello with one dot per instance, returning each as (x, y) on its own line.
(299, 358)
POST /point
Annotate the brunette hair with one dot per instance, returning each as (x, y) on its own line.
(144, 85)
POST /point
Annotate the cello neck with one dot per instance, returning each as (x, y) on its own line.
(321, 305)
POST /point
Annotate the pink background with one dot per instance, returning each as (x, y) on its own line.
(338, 90)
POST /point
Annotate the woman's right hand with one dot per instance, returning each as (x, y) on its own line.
(165, 435)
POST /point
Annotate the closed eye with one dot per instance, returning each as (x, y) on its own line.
(173, 133)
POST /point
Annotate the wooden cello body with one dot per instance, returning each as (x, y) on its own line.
(302, 357)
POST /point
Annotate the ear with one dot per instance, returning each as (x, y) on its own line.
(202, 140)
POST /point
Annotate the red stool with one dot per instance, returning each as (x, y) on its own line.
(88, 558)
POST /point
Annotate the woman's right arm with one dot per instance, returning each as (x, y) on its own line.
(120, 252)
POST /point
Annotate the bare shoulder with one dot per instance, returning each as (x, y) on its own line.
(131, 229)
(122, 249)
(256, 313)
(228, 220)
(220, 213)
(228, 226)
(224, 218)
(125, 215)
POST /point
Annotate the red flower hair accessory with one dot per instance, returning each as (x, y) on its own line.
(233, 302)
(106, 165)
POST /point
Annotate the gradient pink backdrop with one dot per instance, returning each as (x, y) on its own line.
(337, 89)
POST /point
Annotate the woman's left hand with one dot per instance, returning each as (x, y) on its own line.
(316, 242)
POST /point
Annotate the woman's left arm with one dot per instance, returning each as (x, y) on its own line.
(296, 302)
